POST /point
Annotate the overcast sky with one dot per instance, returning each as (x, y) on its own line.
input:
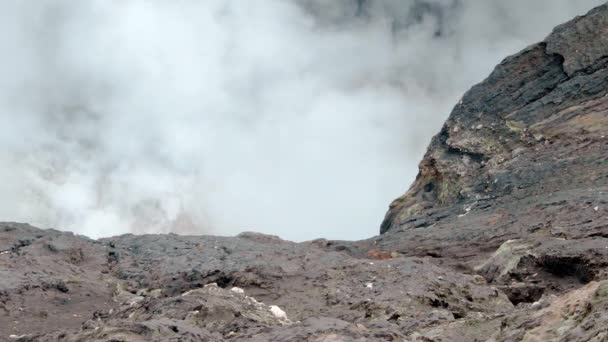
(300, 118)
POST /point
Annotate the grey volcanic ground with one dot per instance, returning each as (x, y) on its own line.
(502, 237)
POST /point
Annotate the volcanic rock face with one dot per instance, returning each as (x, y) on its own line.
(509, 135)
(503, 237)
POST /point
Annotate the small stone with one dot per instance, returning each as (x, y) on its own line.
(479, 280)
(156, 293)
(237, 290)
(135, 300)
(379, 255)
(278, 312)
(361, 327)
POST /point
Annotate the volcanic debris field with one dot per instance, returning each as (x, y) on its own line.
(502, 237)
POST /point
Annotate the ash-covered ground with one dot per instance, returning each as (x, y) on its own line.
(502, 237)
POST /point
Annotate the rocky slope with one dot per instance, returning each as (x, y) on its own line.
(503, 237)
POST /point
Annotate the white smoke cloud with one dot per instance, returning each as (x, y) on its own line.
(302, 118)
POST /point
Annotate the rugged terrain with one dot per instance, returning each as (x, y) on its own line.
(502, 237)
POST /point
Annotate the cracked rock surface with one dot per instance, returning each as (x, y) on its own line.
(502, 237)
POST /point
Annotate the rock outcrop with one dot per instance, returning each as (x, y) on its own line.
(502, 237)
(522, 155)
(535, 126)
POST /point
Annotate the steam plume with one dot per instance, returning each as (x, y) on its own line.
(291, 117)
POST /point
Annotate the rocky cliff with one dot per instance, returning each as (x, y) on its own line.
(502, 237)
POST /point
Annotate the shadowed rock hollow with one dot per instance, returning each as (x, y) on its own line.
(502, 237)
